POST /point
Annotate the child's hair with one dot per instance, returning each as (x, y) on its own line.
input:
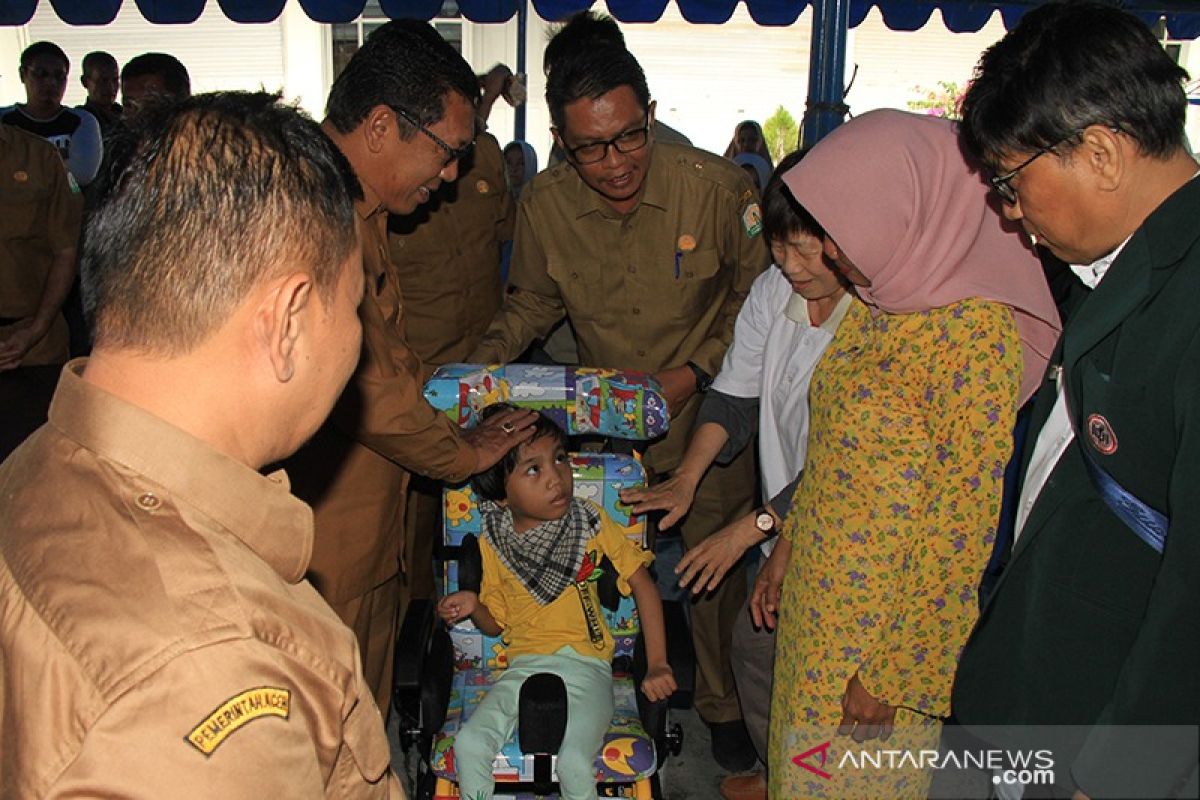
(489, 484)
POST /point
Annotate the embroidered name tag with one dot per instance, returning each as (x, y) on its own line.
(265, 701)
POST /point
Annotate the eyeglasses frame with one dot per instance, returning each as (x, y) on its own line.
(453, 154)
(1001, 184)
(645, 129)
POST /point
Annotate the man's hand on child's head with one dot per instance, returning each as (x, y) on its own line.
(454, 608)
(659, 683)
(498, 434)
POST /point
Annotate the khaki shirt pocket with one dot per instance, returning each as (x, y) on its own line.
(580, 286)
(368, 748)
(20, 211)
(696, 284)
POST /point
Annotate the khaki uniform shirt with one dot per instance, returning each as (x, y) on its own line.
(39, 217)
(351, 471)
(158, 637)
(649, 290)
(447, 258)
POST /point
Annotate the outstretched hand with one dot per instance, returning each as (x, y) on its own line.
(704, 566)
(674, 495)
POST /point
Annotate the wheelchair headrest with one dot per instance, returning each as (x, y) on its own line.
(582, 400)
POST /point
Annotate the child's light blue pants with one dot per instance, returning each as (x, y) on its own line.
(589, 714)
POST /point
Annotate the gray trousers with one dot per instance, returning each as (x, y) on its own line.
(753, 661)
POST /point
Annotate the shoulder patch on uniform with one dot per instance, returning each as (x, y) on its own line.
(482, 186)
(263, 701)
(752, 220)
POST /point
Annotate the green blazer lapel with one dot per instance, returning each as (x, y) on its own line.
(1124, 287)
(1138, 272)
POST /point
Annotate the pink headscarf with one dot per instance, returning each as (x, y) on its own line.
(893, 190)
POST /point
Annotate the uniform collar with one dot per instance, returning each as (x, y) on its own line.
(370, 204)
(1092, 274)
(259, 510)
(373, 228)
(655, 189)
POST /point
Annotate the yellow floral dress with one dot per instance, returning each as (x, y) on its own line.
(891, 527)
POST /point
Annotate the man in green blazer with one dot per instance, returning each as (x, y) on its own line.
(1095, 623)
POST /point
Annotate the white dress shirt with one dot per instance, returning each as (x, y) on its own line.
(1057, 433)
(774, 352)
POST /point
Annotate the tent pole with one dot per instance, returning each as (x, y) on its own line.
(827, 65)
(522, 35)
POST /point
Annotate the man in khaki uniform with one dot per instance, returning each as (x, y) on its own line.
(403, 114)
(159, 639)
(649, 249)
(446, 256)
(39, 229)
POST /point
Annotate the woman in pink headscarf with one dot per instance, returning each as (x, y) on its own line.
(913, 406)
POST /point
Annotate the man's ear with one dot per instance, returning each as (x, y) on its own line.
(558, 140)
(282, 319)
(380, 124)
(650, 113)
(1103, 150)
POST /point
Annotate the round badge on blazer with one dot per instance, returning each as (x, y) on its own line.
(1101, 434)
(482, 186)
(686, 243)
(20, 176)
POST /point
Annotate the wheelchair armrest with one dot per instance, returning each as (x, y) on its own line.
(680, 654)
(411, 644)
(423, 669)
(682, 659)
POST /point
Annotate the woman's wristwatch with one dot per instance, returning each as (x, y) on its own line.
(764, 521)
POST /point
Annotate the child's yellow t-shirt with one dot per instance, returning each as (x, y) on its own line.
(531, 628)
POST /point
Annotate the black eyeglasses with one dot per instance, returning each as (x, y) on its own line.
(1002, 184)
(452, 153)
(627, 142)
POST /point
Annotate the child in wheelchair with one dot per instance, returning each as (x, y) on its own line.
(541, 550)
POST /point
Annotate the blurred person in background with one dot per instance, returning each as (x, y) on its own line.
(76, 134)
(748, 138)
(153, 75)
(101, 77)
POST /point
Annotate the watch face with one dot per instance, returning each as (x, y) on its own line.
(764, 522)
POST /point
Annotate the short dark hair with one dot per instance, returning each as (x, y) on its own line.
(403, 64)
(1067, 66)
(593, 72)
(96, 59)
(201, 200)
(581, 32)
(489, 484)
(782, 216)
(174, 74)
(43, 49)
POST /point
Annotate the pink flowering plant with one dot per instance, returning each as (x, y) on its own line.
(944, 101)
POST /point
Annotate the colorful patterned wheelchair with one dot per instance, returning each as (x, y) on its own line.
(442, 675)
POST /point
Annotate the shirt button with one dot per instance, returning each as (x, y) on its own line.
(575, 276)
(632, 268)
(641, 352)
(148, 502)
(636, 311)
